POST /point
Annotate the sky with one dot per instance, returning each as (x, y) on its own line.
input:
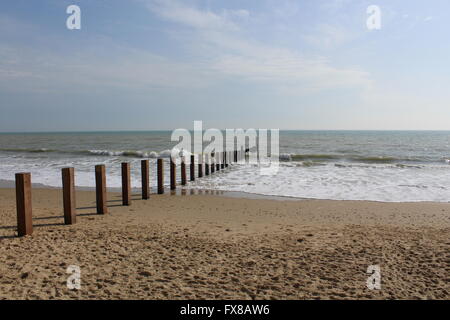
(275, 64)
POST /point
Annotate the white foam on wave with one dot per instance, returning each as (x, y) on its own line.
(338, 181)
(375, 182)
(48, 172)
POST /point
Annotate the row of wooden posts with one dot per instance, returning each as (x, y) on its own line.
(217, 162)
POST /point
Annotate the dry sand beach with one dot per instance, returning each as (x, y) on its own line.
(205, 246)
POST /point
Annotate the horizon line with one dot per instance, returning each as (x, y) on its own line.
(168, 130)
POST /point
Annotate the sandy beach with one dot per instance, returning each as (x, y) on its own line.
(204, 246)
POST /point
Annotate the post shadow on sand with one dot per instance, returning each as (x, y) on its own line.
(8, 237)
(53, 217)
(34, 226)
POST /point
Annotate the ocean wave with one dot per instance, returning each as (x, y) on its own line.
(107, 153)
(349, 158)
(306, 159)
(130, 153)
(27, 150)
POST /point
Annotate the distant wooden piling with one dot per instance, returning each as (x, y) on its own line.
(173, 175)
(145, 179)
(206, 165)
(192, 168)
(225, 159)
(126, 184)
(213, 166)
(23, 203)
(100, 187)
(200, 165)
(217, 154)
(222, 160)
(69, 204)
(160, 169)
(235, 156)
(183, 172)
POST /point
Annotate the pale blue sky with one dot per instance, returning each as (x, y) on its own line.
(161, 64)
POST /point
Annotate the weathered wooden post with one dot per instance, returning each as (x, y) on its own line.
(173, 175)
(183, 171)
(100, 187)
(206, 165)
(200, 165)
(68, 183)
(225, 159)
(23, 203)
(192, 168)
(217, 154)
(160, 168)
(213, 166)
(126, 184)
(222, 160)
(145, 179)
(235, 156)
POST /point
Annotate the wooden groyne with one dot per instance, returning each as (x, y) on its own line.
(207, 164)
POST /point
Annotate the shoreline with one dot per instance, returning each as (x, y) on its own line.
(10, 184)
(218, 247)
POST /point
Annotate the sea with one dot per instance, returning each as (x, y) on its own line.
(389, 166)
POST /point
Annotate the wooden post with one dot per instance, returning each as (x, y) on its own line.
(222, 158)
(235, 156)
(160, 176)
(23, 203)
(192, 168)
(225, 159)
(126, 184)
(206, 165)
(173, 175)
(200, 165)
(183, 172)
(100, 187)
(68, 183)
(213, 166)
(217, 161)
(145, 179)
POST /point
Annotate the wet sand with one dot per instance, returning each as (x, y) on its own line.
(205, 246)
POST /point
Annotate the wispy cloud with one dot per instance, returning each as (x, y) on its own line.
(178, 12)
(238, 56)
(221, 50)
